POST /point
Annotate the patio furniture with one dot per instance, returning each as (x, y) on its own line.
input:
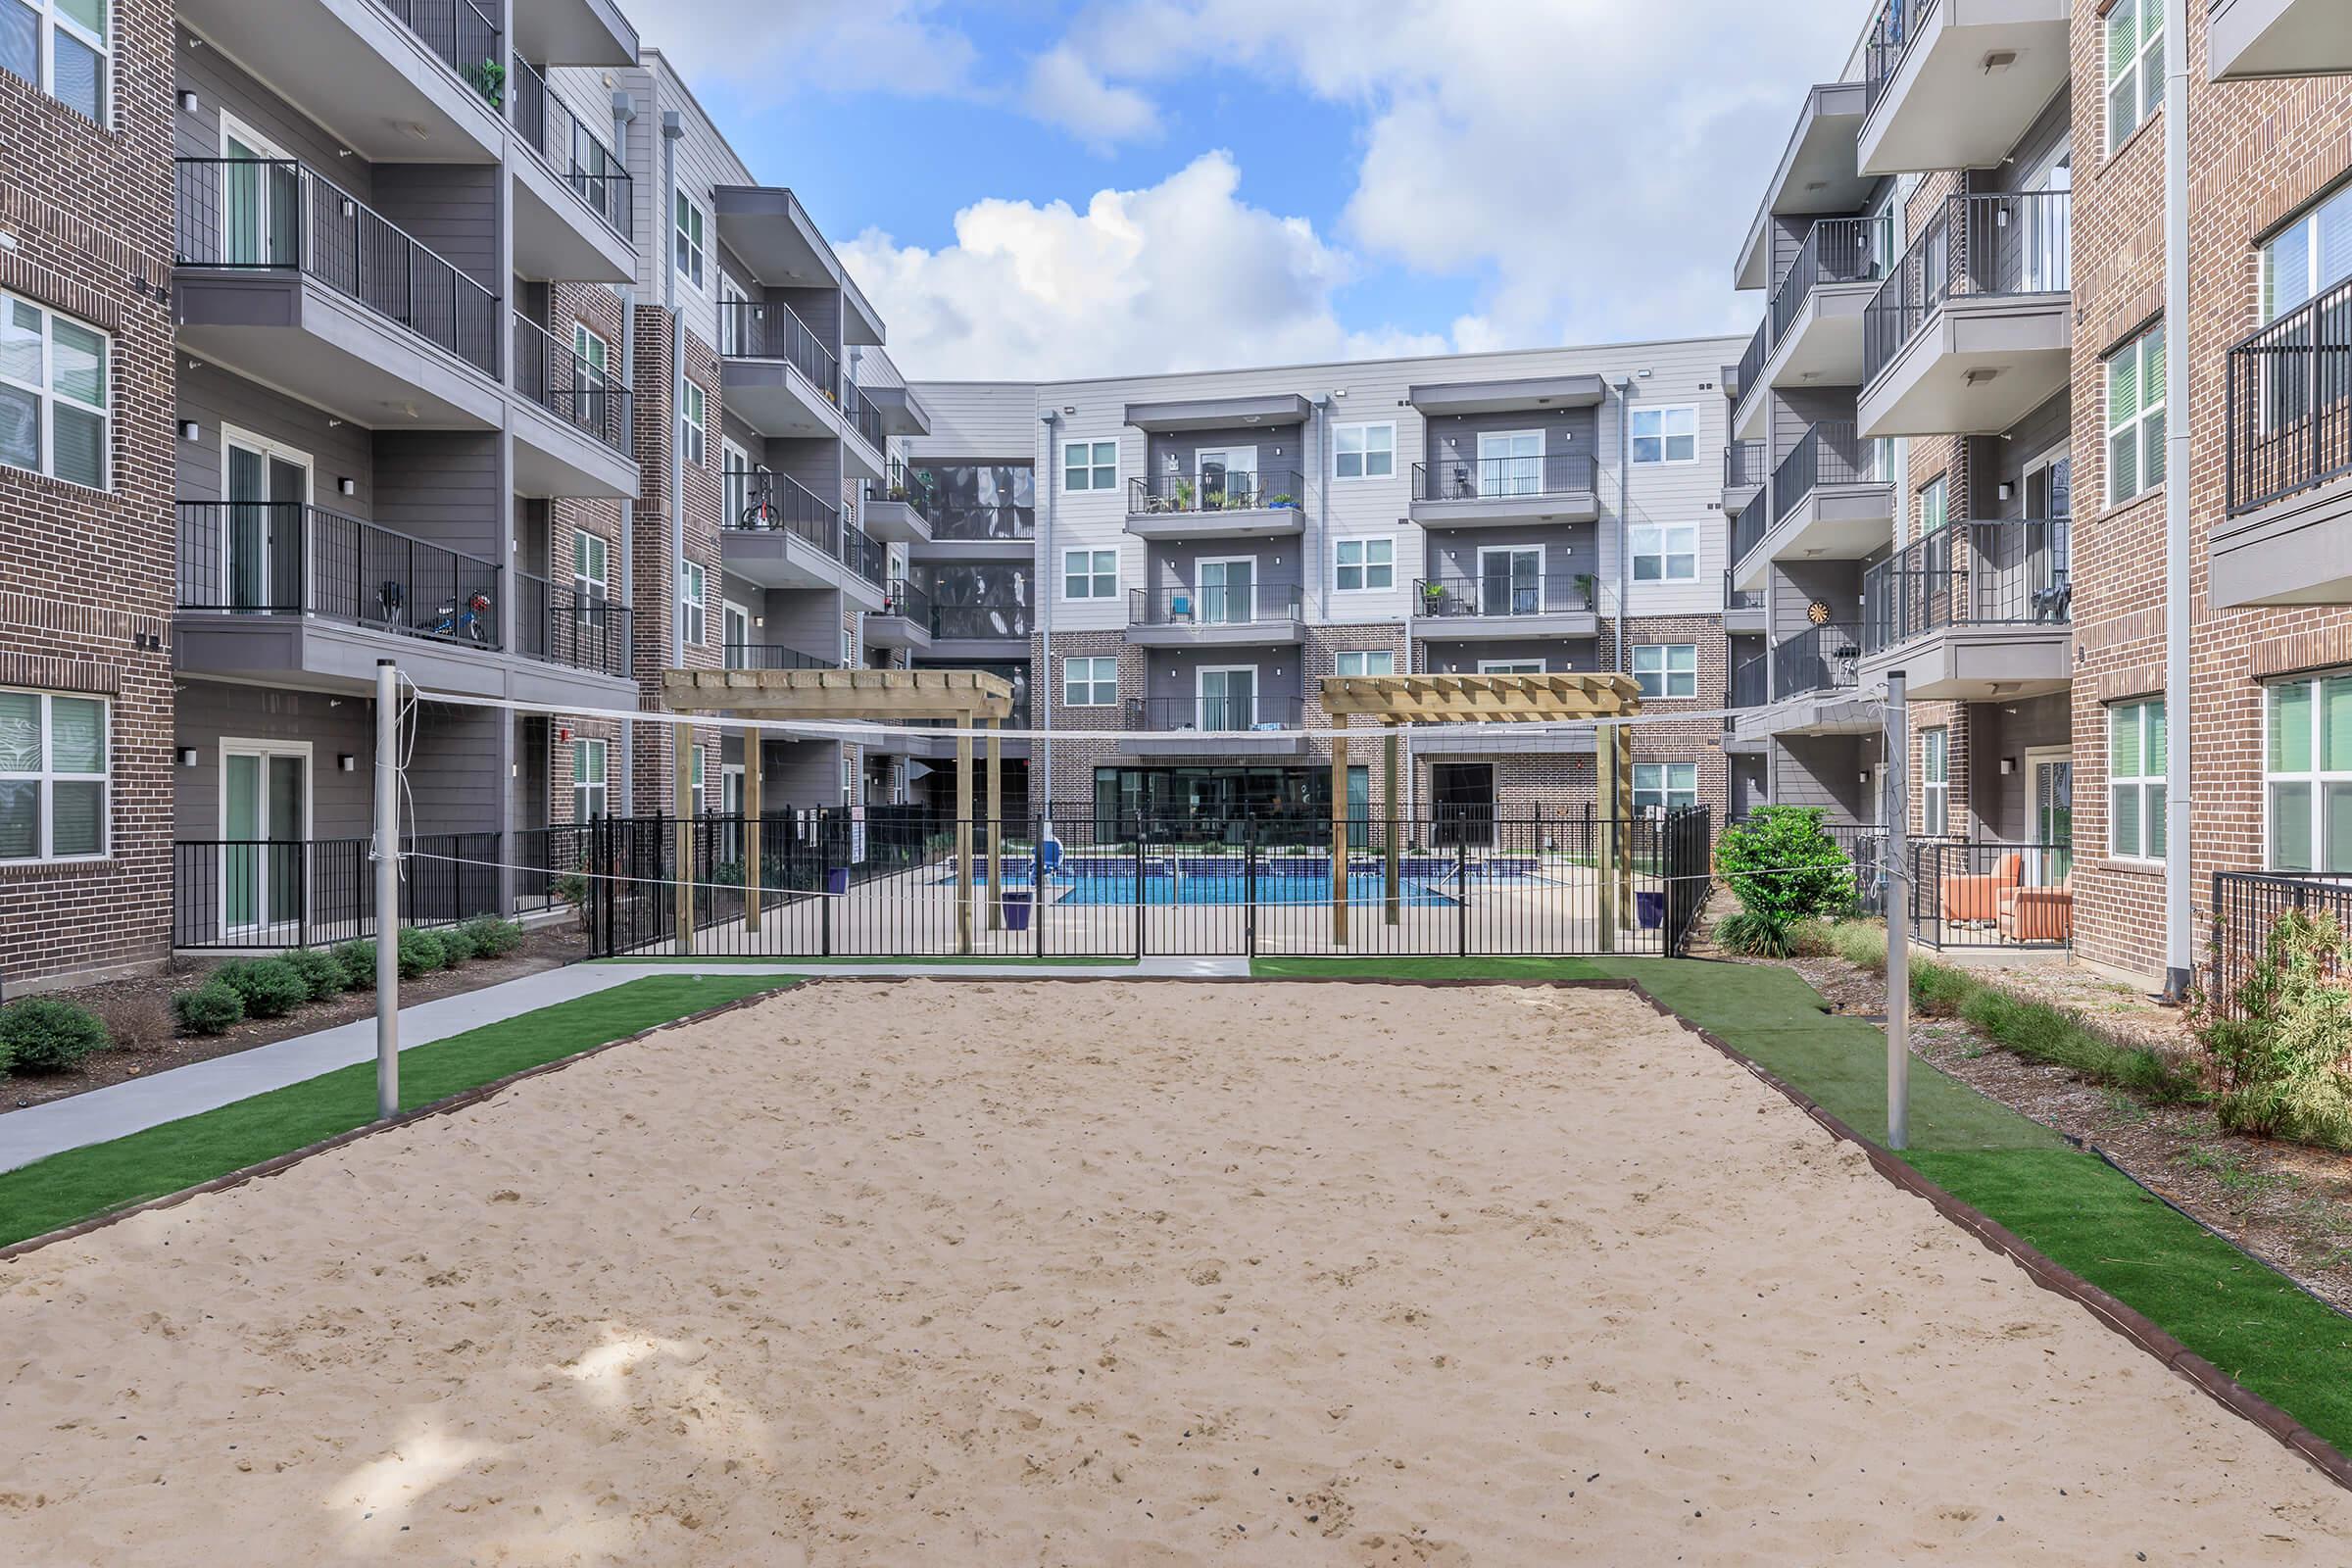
(2039, 915)
(1976, 900)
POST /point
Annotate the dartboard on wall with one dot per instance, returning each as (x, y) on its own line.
(1818, 613)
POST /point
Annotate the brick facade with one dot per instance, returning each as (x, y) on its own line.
(655, 565)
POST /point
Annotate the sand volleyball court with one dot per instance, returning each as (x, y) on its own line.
(1104, 1274)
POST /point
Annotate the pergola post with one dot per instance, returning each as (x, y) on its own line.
(1605, 852)
(682, 796)
(752, 880)
(964, 833)
(1394, 868)
(996, 825)
(1339, 830)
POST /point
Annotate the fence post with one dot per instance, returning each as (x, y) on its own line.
(824, 891)
(1461, 894)
(1037, 883)
(1139, 889)
(1899, 923)
(1250, 889)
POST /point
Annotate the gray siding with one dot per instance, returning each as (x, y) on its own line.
(451, 209)
(214, 398)
(440, 485)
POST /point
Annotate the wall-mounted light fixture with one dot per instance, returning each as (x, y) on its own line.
(347, 485)
(187, 756)
(2008, 766)
(190, 430)
(345, 763)
(189, 100)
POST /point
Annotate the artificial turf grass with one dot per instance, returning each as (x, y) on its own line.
(74, 1186)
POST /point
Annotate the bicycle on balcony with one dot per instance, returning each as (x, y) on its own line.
(472, 626)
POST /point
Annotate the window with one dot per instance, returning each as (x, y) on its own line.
(689, 224)
(695, 775)
(1090, 466)
(1364, 566)
(2309, 257)
(590, 579)
(849, 779)
(1935, 782)
(1510, 667)
(2135, 780)
(1662, 787)
(587, 780)
(1665, 551)
(59, 46)
(1089, 682)
(696, 420)
(1090, 574)
(2134, 67)
(52, 777)
(2306, 775)
(594, 355)
(1666, 670)
(2136, 417)
(690, 603)
(1665, 435)
(848, 649)
(1381, 663)
(1935, 506)
(1363, 450)
(53, 402)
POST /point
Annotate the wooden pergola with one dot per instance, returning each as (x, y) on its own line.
(1395, 701)
(969, 699)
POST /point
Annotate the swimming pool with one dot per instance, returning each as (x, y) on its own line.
(1233, 888)
(1097, 879)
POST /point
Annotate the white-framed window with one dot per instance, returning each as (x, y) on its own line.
(1363, 565)
(695, 778)
(1934, 505)
(1510, 667)
(2136, 417)
(848, 649)
(1090, 574)
(1363, 450)
(1090, 466)
(1935, 782)
(1662, 787)
(734, 634)
(2306, 775)
(61, 47)
(690, 603)
(53, 392)
(2308, 257)
(1089, 682)
(695, 418)
(592, 357)
(1665, 435)
(850, 780)
(1664, 552)
(591, 578)
(53, 776)
(1666, 670)
(2135, 758)
(1371, 662)
(687, 226)
(587, 779)
(2134, 34)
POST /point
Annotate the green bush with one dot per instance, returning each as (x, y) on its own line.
(1937, 990)
(2041, 1032)
(271, 988)
(1861, 943)
(40, 1034)
(1782, 862)
(456, 944)
(358, 959)
(493, 938)
(2284, 1051)
(421, 952)
(211, 1008)
(320, 970)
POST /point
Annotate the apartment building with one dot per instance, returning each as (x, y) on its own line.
(1170, 556)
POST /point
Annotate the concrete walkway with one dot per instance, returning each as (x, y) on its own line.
(137, 1103)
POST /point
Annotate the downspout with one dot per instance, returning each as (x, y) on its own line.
(673, 128)
(1625, 512)
(624, 114)
(2178, 887)
(1045, 575)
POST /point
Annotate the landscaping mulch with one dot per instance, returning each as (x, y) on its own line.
(139, 1013)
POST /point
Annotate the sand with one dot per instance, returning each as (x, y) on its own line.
(1106, 1274)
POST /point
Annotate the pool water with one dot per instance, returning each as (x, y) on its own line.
(1364, 887)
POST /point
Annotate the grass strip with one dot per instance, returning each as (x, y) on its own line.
(79, 1183)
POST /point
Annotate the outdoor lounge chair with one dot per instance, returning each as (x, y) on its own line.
(1976, 900)
(2039, 915)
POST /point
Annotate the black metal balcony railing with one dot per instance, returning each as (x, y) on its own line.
(557, 624)
(908, 599)
(1740, 598)
(463, 35)
(1217, 491)
(551, 374)
(763, 500)
(1168, 714)
(1245, 604)
(1891, 30)
(1990, 574)
(1502, 594)
(1819, 659)
(2290, 403)
(1557, 473)
(579, 156)
(1750, 528)
(1745, 464)
(277, 215)
(2013, 243)
(775, 656)
(906, 485)
(248, 558)
(1830, 452)
(303, 893)
(767, 329)
(1749, 682)
(1751, 361)
(864, 418)
(1837, 250)
(2246, 905)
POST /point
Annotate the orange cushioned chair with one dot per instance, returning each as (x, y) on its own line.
(2040, 914)
(1976, 900)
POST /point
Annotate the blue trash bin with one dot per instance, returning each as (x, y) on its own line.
(1017, 909)
(837, 879)
(1650, 910)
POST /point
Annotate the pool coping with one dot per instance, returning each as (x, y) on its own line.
(2132, 1325)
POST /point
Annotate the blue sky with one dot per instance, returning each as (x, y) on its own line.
(1029, 188)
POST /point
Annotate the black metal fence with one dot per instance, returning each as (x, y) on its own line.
(2290, 403)
(1745, 464)
(266, 558)
(1500, 595)
(1891, 30)
(463, 34)
(768, 330)
(864, 418)
(1969, 574)
(1553, 473)
(892, 885)
(578, 156)
(1831, 452)
(306, 893)
(2246, 905)
(1217, 490)
(588, 396)
(1819, 659)
(1245, 602)
(556, 623)
(1971, 893)
(2013, 243)
(1751, 359)
(1837, 250)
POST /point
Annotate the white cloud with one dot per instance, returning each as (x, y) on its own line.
(1179, 275)
(1064, 90)
(836, 45)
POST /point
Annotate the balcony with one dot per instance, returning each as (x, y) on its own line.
(285, 277)
(398, 81)
(1829, 503)
(1816, 688)
(1974, 329)
(557, 625)
(571, 438)
(573, 201)
(771, 234)
(904, 620)
(1505, 605)
(897, 512)
(1973, 611)
(1745, 464)
(2248, 39)
(575, 32)
(865, 454)
(1216, 504)
(1750, 682)
(1816, 174)
(1214, 725)
(1814, 324)
(777, 374)
(1954, 83)
(982, 615)
(1743, 609)
(1488, 491)
(2287, 538)
(774, 532)
(1749, 372)
(1238, 612)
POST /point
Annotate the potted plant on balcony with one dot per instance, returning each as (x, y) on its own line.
(1432, 599)
(1184, 495)
(1281, 500)
(490, 80)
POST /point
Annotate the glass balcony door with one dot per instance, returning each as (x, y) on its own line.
(1228, 477)
(1510, 463)
(260, 202)
(1228, 592)
(1510, 581)
(264, 819)
(266, 489)
(1228, 698)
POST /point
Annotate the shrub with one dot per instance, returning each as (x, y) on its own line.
(1782, 862)
(320, 970)
(271, 988)
(1860, 944)
(136, 1020)
(1937, 990)
(493, 938)
(2284, 1056)
(2041, 1032)
(457, 946)
(358, 959)
(211, 1008)
(421, 952)
(40, 1034)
